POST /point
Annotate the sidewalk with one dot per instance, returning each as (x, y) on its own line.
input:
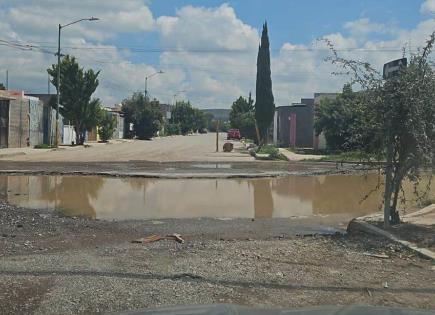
(417, 231)
(291, 156)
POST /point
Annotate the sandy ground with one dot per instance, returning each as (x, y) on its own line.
(176, 148)
(198, 147)
(55, 265)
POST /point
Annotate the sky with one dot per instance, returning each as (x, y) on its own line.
(207, 49)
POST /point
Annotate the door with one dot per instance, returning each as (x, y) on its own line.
(292, 119)
(4, 123)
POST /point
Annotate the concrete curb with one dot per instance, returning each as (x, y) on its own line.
(356, 226)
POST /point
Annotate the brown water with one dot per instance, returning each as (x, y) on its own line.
(140, 198)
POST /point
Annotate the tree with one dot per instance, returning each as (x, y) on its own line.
(107, 126)
(76, 89)
(148, 120)
(199, 120)
(145, 116)
(401, 113)
(343, 121)
(264, 105)
(2, 87)
(242, 116)
(183, 114)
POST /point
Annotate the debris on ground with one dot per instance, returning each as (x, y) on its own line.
(228, 147)
(383, 256)
(148, 239)
(154, 238)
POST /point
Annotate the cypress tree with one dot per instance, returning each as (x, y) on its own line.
(264, 105)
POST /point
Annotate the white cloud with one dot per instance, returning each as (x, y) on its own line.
(364, 26)
(209, 52)
(428, 7)
(39, 19)
(215, 49)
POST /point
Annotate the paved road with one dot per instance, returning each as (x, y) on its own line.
(166, 149)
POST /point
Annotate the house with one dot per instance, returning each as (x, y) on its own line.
(118, 133)
(116, 112)
(25, 121)
(293, 125)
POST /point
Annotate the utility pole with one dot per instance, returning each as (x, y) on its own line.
(217, 135)
(56, 138)
(146, 82)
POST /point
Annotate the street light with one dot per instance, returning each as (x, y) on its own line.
(176, 94)
(146, 81)
(58, 72)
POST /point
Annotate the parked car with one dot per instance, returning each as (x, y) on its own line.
(233, 134)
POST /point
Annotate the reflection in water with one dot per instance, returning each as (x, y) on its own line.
(139, 198)
(263, 200)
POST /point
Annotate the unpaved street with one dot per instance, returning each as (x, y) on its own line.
(55, 265)
(199, 147)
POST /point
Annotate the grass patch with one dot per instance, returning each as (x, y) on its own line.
(352, 156)
(44, 146)
(273, 152)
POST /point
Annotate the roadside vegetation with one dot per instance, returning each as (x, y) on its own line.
(76, 91)
(186, 119)
(242, 116)
(391, 119)
(107, 125)
(143, 115)
(270, 150)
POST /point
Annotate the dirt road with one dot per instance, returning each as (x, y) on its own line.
(176, 148)
(198, 147)
(55, 265)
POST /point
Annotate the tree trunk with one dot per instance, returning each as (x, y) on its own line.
(388, 184)
(395, 218)
(78, 133)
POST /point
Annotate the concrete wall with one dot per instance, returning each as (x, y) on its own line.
(36, 119)
(18, 132)
(118, 133)
(69, 135)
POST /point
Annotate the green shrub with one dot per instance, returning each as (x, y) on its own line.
(273, 152)
(107, 126)
(43, 146)
(172, 129)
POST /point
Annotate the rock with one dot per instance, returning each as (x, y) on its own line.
(228, 147)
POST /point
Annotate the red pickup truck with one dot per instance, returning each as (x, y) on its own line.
(233, 134)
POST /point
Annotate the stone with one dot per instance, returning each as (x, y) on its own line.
(228, 147)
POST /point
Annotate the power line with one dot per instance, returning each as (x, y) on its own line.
(139, 49)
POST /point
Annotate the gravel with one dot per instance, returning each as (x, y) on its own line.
(55, 265)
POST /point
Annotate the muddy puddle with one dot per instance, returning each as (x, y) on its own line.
(141, 198)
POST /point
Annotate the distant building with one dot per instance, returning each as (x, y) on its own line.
(118, 133)
(119, 119)
(25, 121)
(293, 125)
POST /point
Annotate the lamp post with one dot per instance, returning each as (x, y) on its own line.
(146, 81)
(58, 73)
(175, 95)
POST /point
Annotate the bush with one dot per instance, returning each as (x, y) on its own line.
(43, 146)
(147, 121)
(172, 129)
(107, 126)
